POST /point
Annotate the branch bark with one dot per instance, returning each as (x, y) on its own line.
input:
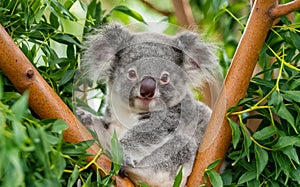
(42, 99)
(285, 9)
(183, 13)
(217, 137)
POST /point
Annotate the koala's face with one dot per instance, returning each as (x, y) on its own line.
(147, 71)
(148, 81)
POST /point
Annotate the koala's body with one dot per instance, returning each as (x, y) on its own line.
(149, 104)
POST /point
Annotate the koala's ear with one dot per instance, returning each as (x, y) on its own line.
(100, 50)
(199, 59)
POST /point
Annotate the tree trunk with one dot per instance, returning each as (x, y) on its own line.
(217, 137)
(42, 99)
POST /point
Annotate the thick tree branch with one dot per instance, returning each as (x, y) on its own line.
(285, 9)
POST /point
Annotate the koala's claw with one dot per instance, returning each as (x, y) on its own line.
(123, 172)
(84, 116)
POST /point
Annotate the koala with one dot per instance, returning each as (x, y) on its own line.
(150, 104)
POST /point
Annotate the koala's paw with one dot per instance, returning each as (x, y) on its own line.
(85, 117)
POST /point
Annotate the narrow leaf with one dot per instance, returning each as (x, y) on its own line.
(116, 153)
(291, 153)
(284, 113)
(248, 176)
(59, 126)
(21, 105)
(285, 141)
(236, 133)
(67, 77)
(292, 95)
(178, 178)
(213, 165)
(265, 133)
(215, 178)
(129, 12)
(261, 159)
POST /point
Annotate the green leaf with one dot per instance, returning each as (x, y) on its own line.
(21, 105)
(261, 159)
(291, 153)
(66, 39)
(284, 113)
(116, 153)
(292, 95)
(59, 126)
(247, 176)
(266, 83)
(265, 133)
(275, 99)
(285, 141)
(246, 142)
(54, 20)
(213, 165)
(178, 178)
(57, 8)
(73, 178)
(129, 12)
(283, 163)
(88, 181)
(67, 77)
(236, 133)
(142, 184)
(214, 178)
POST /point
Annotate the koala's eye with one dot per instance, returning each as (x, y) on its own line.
(164, 78)
(132, 75)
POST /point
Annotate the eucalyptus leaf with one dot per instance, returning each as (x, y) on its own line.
(293, 95)
(285, 114)
(261, 159)
(265, 133)
(73, 178)
(214, 178)
(285, 141)
(236, 133)
(247, 176)
(178, 178)
(21, 105)
(129, 12)
(116, 153)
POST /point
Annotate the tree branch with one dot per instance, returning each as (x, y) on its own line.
(285, 9)
(217, 136)
(163, 12)
(183, 13)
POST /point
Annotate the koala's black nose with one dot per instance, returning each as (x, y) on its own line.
(148, 86)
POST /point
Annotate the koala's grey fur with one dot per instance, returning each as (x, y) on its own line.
(160, 132)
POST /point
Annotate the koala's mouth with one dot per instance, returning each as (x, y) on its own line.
(144, 101)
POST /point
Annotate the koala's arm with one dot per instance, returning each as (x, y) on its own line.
(96, 124)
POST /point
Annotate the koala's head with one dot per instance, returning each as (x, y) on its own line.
(147, 71)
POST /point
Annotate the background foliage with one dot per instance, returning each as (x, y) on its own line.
(265, 144)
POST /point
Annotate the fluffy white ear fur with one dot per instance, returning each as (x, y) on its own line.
(200, 61)
(101, 49)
